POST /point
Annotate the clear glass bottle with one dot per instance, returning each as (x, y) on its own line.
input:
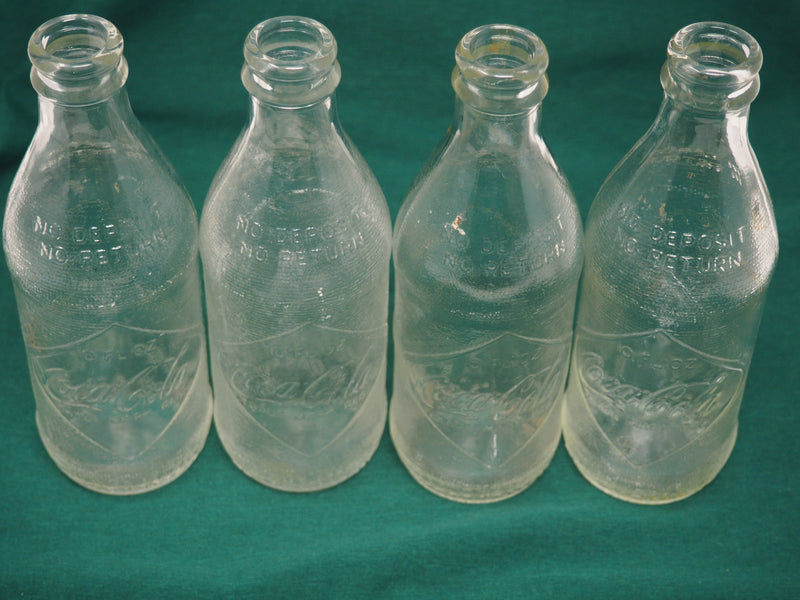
(101, 240)
(296, 240)
(680, 247)
(487, 253)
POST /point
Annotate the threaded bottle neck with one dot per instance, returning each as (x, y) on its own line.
(712, 68)
(290, 61)
(500, 69)
(77, 60)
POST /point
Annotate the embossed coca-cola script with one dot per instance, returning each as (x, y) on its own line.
(120, 387)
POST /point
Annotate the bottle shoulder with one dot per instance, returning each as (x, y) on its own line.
(98, 217)
(259, 164)
(462, 172)
(291, 234)
(506, 245)
(682, 244)
(484, 196)
(293, 185)
(293, 213)
(687, 195)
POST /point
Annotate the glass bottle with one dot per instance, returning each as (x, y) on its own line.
(295, 241)
(101, 240)
(680, 247)
(487, 253)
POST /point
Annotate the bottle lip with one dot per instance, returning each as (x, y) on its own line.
(290, 60)
(77, 59)
(501, 68)
(712, 66)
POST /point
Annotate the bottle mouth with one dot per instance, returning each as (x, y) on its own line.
(77, 59)
(290, 61)
(501, 68)
(712, 66)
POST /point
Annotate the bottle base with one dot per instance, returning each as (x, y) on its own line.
(272, 463)
(473, 493)
(670, 479)
(126, 478)
(281, 479)
(439, 466)
(645, 497)
(637, 496)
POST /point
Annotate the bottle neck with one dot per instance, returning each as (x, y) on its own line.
(282, 124)
(110, 119)
(710, 78)
(713, 132)
(483, 130)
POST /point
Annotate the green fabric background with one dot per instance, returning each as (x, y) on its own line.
(214, 533)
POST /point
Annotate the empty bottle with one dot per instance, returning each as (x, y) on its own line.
(487, 252)
(680, 247)
(296, 240)
(101, 240)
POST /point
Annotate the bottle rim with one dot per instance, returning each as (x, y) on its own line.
(712, 66)
(501, 68)
(290, 60)
(77, 59)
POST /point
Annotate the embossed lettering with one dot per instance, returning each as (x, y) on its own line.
(499, 392)
(686, 252)
(46, 228)
(119, 378)
(312, 379)
(54, 253)
(299, 246)
(505, 256)
(650, 393)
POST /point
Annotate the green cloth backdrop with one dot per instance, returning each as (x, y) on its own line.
(214, 533)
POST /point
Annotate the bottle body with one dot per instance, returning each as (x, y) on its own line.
(295, 239)
(487, 259)
(680, 245)
(101, 242)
